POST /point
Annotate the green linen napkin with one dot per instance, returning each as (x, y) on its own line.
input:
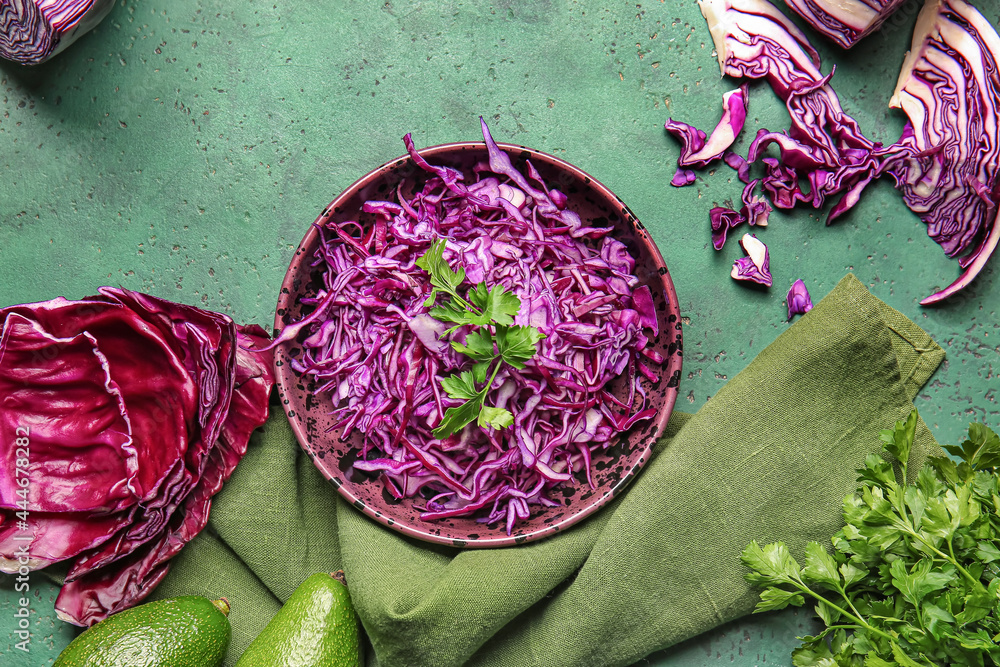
(770, 457)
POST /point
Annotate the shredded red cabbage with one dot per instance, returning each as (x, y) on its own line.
(699, 150)
(946, 162)
(755, 212)
(824, 146)
(372, 347)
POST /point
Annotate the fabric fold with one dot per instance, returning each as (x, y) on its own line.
(769, 457)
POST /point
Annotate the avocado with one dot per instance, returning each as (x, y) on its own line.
(316, 626)
(188, 631)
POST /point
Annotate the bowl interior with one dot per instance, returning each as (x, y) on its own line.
(334, 452)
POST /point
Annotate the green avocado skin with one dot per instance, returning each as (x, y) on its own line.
(187, 631)
(316, 627)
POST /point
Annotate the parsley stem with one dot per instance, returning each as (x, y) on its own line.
(855, 616)
(908, 528)
(951, 559)
(843, 594)
(496, 369)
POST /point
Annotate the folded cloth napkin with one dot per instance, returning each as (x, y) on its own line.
(770, 457)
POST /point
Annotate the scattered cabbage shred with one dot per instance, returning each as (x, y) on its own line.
(798, 300)
(946, 162)
(372, 347)
(756, 266)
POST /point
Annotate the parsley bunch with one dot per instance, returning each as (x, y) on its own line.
(914, 576)
(495, 341)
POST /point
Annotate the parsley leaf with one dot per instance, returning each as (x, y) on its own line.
(517, 344)
(478, 345)
(443, 278)
(456, 418)
(460, 386)
(497, 304)
(495, 342)
(495, 417)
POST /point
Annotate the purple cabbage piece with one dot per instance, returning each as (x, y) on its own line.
(845, 21)
(683, 177)
(697, 150)
(138, 409)
(798, 299)
(32, 31)
(756, 266)
(755, 212)
(949, 88)
(372, 348)
(739, 164)
(723, 219)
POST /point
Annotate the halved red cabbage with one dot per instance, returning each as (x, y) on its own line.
(32, 31)
(136, 409)
(845, 21)
(756, 266)
(372, 348)
(949, 88)
(798, 299)
(697, 150)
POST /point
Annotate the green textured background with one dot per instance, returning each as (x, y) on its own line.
(182, 148)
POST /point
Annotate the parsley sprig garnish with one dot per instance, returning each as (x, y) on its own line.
(495, 341)
(914, 576)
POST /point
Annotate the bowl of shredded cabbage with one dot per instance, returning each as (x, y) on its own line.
(478, 344)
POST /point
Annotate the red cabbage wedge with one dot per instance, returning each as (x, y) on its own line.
(949, 89)
(126, 413)
(845, 21)
(32, 31)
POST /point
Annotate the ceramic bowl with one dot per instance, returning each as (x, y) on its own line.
(334, 452)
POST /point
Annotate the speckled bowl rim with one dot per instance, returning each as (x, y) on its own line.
(671, 367)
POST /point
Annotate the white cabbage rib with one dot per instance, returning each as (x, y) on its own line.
(845, 21)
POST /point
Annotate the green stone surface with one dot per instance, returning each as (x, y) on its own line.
(182, 148)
